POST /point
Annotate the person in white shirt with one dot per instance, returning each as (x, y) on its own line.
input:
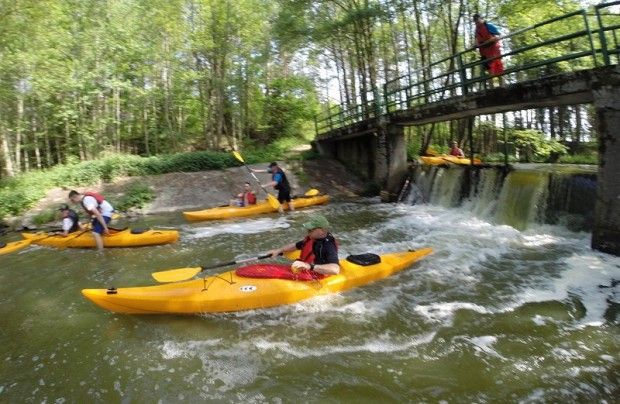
(99, 210)
(70, 220)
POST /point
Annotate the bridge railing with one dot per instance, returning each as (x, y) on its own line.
(573, 41)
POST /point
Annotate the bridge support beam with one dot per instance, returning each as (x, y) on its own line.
(390, 160)
(606, 229)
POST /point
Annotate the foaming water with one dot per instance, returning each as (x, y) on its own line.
(494, 314)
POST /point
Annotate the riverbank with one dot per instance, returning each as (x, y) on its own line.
(179, 191)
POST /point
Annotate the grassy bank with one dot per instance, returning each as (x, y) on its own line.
(20, 193)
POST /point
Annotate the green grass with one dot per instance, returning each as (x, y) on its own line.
(136, 196)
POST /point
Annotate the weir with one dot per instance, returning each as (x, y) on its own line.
(528, 194)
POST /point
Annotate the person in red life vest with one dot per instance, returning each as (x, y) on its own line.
(280, 183)
(487, 42)
(70, 221)
(456, 151)
(99, 210)
(319, 249)
(245, 198)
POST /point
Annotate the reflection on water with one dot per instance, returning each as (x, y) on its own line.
(494, 314)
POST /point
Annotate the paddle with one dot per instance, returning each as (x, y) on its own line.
(182, 274)
(21, 244)
(13, 246)
(273, 201)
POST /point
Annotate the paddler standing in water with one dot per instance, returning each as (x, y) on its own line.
(99, 210)
(319, 249)
(280, 183)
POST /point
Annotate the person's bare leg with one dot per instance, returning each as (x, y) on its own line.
(98, 241)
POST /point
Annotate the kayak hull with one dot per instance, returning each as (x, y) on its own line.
(228, 212)
(228, 292)
(116, 239)
(447, 160)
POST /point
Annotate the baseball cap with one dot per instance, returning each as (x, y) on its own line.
(273, 164)
(315, 222)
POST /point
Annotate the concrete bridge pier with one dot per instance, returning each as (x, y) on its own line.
(379, 156)
(606, 229)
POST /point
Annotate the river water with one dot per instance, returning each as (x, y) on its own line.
(495, 314)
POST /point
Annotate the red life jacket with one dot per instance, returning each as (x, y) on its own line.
(307, 250)
(98, 197)
(490, 50)
(307, 255)
(251, 198)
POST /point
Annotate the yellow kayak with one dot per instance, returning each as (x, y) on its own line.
(447, 160)
(228, 292)
(227, 212)
(13, 246)
(117, 238)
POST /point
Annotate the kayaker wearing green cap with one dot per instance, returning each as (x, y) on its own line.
(319, 249)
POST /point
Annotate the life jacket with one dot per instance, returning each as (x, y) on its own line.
(75, 221)
(98, 197)
(483, 34)
(251, 198)
(283, 185)
(307, 250)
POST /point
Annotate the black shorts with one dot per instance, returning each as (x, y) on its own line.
(284, 196)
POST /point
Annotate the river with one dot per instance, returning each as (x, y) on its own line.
(495, 314)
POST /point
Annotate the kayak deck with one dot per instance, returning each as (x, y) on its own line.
(447, 160)
(228, 292)
(117, 238)
(227, 212)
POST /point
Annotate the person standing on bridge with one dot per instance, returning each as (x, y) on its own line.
(487, 42)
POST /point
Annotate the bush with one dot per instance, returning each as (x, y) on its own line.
(136, 196)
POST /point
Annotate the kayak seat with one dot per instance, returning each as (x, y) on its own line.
(276, 271)
(138, 231)
(364, 259)
(117, 228)
(2, 245)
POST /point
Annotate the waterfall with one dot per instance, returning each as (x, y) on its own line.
(527, 194)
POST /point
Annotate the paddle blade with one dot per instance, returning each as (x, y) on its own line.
(238, 156)
(176, 275)
(14, 246)
(312, 192)
(273, 201)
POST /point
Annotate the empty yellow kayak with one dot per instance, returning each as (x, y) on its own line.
(447, 160)
(117, 238)
(228, 292)
(227, 212)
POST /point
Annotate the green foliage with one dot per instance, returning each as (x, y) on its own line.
(23, 191)
(45, 216)
(136, 196)
(291, 102)
(584, 158)
(533, 146)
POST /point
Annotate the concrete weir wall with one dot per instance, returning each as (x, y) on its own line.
(606, 229)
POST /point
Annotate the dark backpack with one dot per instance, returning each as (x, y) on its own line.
(364, 259)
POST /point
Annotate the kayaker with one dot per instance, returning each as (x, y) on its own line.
(456, 151)
(319, 249)
(245, 198)
(280, 183)
(70, 221)
(99, 210)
